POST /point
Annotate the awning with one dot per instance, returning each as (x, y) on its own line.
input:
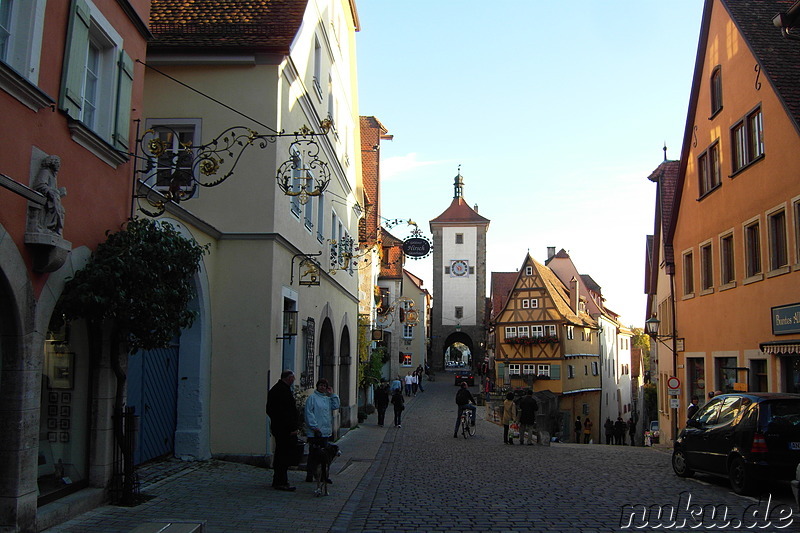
(781, 347)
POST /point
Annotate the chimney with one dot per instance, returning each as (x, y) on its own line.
(574, 297)
(476, 208)
(551, 251)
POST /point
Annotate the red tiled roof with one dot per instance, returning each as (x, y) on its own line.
(459, 211)
(268, 25)
(502, 283)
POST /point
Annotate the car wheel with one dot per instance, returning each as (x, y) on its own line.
(679, 464)
(741, 481)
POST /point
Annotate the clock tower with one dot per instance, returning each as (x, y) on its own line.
(459, 281)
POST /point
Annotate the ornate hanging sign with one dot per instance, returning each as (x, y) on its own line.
(417, 247)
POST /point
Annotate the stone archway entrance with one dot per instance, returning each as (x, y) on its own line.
(343, 389)
(327, 361)
(459, 346)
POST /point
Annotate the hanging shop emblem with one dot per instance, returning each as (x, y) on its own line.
(417, 247)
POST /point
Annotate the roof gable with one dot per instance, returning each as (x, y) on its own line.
(460, 212)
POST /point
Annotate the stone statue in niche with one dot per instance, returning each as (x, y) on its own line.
(51, 216)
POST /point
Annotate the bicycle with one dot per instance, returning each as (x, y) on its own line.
(467, 425)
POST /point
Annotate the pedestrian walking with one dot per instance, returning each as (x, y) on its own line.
(282, 412)
(578, 429)
(509, 416)
(587, 430)
(609, 428)
(408, 381)
(619, 431)
(320, 406)
(414, 383)
(397, 383)
(527, 417)
(382, 400)
(632, 430)
(399, 404)
(420, 373)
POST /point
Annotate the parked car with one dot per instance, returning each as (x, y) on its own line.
(465, 376)
(796, 486)
(748, 437)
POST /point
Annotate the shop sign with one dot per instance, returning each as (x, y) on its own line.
(416, 247)
(786, 319)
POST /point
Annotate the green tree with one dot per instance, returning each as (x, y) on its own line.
(139, 283)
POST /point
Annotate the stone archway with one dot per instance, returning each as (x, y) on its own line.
(345, 364)
(459, 337)
(327, 359)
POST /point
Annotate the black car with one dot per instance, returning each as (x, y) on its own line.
(748, 437)
(465, 376)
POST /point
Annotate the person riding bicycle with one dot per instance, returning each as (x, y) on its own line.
(464, 400)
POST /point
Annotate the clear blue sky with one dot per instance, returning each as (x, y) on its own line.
(556, 111)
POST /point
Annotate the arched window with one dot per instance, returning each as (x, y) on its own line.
(716, 90)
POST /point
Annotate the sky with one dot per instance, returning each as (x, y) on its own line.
(555, 111)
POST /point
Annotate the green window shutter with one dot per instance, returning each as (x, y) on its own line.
(501, 370)
(122, 125)
(555, 371)
(75, 59)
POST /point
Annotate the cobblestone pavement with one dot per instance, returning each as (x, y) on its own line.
(419, 478)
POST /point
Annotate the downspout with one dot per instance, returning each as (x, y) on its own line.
(674, 349)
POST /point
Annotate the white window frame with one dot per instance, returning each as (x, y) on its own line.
(727, 261)
(687, 268)
(408, 360)
(23, 39)
(513, 369)
(408, 331)
(526, 303)
(570, 332)
(706, 268)
(537, 331)
(775, 233)
(543, 370)
(321, 217)
(523, 331)
(528, 368)
(550, 330)
(529, 271)
(511, 332)
(177, 125)
(570, 371)
(534, 303)
(753, 256)
(595, 368)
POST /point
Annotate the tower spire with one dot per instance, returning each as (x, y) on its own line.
(458, 185)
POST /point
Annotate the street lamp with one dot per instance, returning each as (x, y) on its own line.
(651, 328)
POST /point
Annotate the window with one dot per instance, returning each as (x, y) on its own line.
(529, 271)
(758, 375)
(459, 238)
(522, 331)
(175, 166)
(796, 209)
(459, 312)
(320, 217)
(778, 247)
(748, 140)
(98, 76)
(727, 265)
(708, 169)
(21, 28)
(534, 303)
(706, 268)
(726, 373)
(537, 331)
(526, 303)
(752, 250)
(513, 370)
(595, 368)
(528, 369)
(550, 330)
(317, 68)
(543, 370)
(511, 332)
(570, 332)
(406, 358)
(688, 274)
(308, 213)
(570, 371)
(408, 331)
(716, 90)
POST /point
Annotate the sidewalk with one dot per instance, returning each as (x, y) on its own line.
(237, 498)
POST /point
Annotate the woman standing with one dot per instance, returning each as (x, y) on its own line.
(397, 402)
(509, 416)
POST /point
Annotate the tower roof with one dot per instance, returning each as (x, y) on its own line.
(459, 211)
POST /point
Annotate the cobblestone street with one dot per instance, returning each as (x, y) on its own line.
(419, 478)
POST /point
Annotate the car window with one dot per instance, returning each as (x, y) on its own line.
(785, 413)
(708, 413)
(730, 408)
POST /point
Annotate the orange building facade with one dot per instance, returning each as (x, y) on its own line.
(735, 241)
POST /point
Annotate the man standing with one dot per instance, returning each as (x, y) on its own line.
(693, 407)
(282, 413)
(382, 400)
(527, 417)
(464, 400)
(319, 420)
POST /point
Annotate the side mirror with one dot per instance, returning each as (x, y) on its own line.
(693, 423)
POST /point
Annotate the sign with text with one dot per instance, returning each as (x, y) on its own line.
(786, 319)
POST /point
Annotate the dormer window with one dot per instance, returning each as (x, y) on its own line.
(716, 90)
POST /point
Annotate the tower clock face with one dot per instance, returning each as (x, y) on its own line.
(459, 267)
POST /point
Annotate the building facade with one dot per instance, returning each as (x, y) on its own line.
(733, 247)
(70, 92)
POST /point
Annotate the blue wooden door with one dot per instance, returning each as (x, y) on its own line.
(153, 391)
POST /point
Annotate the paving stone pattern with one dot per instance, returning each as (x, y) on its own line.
(419, 478)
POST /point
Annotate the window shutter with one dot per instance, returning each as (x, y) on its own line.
(75, 60)
(501, 370)
(122, 126)
(555, 371)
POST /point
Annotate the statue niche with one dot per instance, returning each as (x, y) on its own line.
(45, 224)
